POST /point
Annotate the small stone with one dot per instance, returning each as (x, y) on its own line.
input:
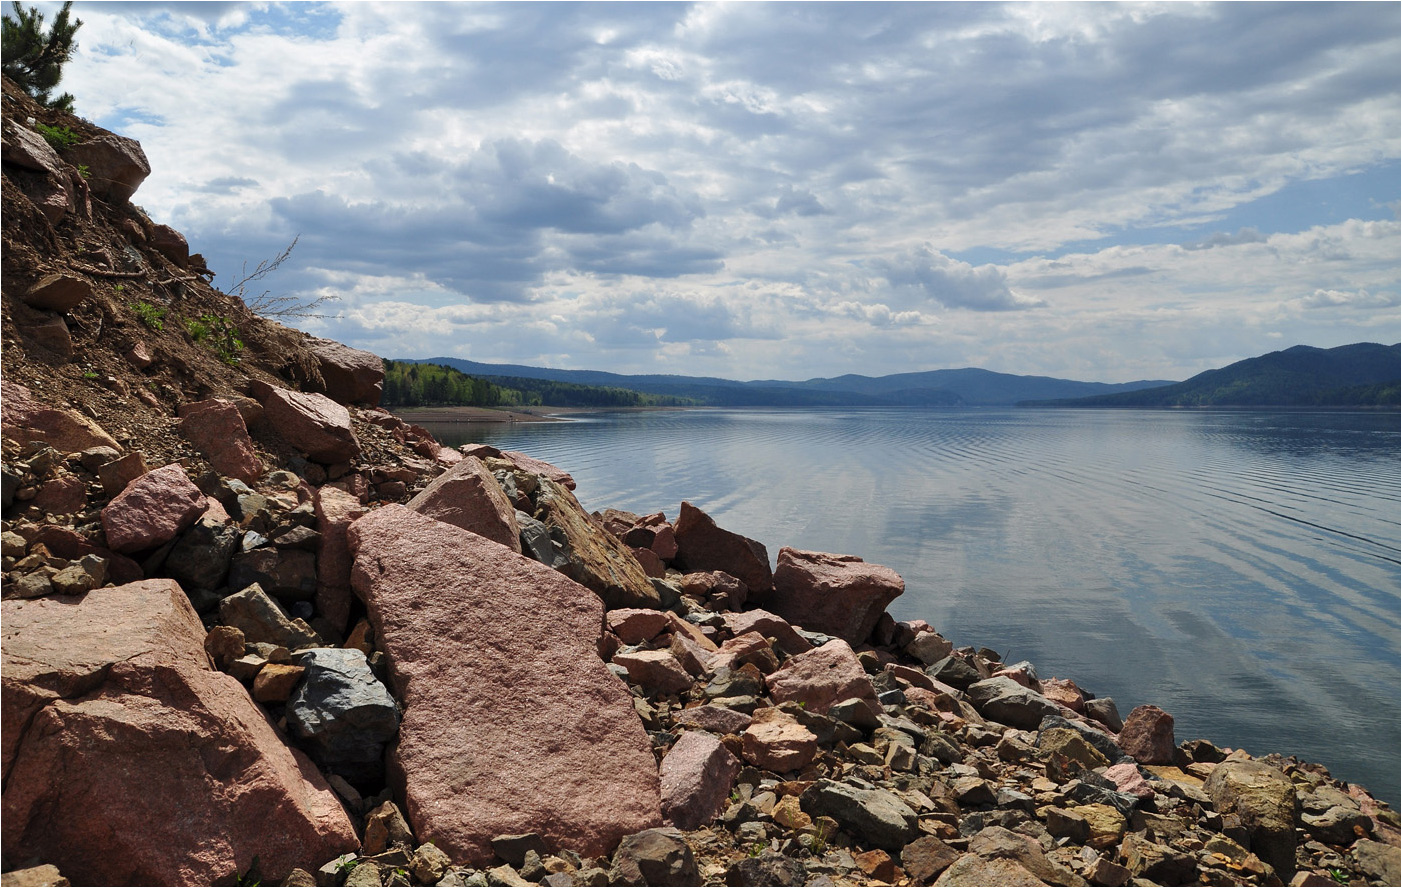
(654, 857)
(275, 682)
(385, 828)
(429, 863)
(36, 876)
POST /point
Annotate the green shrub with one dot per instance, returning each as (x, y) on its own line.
(60, 137)
(152, 316)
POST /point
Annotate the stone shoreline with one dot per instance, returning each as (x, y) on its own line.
(446, 672)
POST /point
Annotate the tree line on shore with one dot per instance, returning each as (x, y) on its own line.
(409, 384)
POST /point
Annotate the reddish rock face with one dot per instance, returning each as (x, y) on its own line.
(314, 424)
(696, 778)
(468, 496)
(129, 760)
(25, 420)
(555, 746)
(152, 510)
(1065, 692)
(838, 595)
(62, 496)
(821, 677)
(703, 545)
(116, 165)
(58, 292)
(335, 510)
(216, 428)
(635, 625)
(1148, 736)
(770, 626)
(171, 244)
(656, 670)
(350, 375)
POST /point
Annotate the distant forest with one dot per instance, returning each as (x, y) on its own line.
(433, 385)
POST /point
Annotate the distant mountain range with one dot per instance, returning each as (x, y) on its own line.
(1364, 374)
(933, 388)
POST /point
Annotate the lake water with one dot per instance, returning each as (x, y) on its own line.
(1238, 569)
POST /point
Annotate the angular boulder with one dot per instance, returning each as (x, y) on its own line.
(200, 558)
(1147, 736)
(24, 419)
(654, 857)
(1264, 799)
(696, 777)
(152, 510)
(314, 424)
(349, 375)
(635, 625)
(873, 816)
(703, 545)
(786, 638)
(116, 165)
(58, 292)
(775, 741)
(335, 511)
(342, 713)
(532, 466)
(821, 677)
(555, 745)
(595, 558)
(837, 595)
(1007, 702)
(468, 496)
(657, 671)
(261, 619)
(129, 760)
(216, 429)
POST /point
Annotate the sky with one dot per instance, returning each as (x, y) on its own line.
(1102, 192)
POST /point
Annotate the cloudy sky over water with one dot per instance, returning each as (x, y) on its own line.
(785, 190)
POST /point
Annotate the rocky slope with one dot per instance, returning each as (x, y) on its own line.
(257, 630)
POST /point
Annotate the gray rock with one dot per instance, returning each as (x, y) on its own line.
(955, 672)
(769, 868)
(1103, 743)
(1103, 710)
(654, 857)
(513, 848)
(286, 573)
(538, 543)
(1378, 861)
(873, 816)
(261, 619)
(200, 558)
(342, 713)
(1007, 702)
(1264, 799)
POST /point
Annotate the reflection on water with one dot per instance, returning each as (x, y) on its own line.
(1239, 569)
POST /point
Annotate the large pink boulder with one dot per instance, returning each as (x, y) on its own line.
(704, 545)
(24, 419)
(216, 428)
(838, 595)
(480, 636)
(314, 424)
(153, 510)
(335, 511)
(823, 676)
(468, 496)
(349, 375)
(696, 778)
(1147, 736)
(128, 760)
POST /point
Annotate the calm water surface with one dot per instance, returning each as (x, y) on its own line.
(1238, 569)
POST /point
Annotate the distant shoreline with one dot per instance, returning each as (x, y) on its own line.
(419, 415)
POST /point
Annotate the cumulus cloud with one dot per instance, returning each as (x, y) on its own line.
(1356, 299)
(952, 283)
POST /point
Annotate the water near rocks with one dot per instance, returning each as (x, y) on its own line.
(1238, 569)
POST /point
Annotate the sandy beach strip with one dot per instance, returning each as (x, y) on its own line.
(420, 415)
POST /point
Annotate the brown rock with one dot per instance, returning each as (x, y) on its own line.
(117, 474)
(1105, 825)
(877, 864)
(655, 670)
(224, 644)
(216, 428)
(125, 752)
(838, 595)
(171, 244)
(970, 869)
(821, 677)
(694, 657)
(275, 682)
(58, 292)
(1148, 736)
(748, 648)
(533, 466)
(716, 719)
(116, 165)
(52, 334)
(335, 510)
(775, 741)
(925, 858)
(152, 510)
(703, 545)
(555, 746)
(696, 777)
(596, 559)
(1067, 742)
(139, 356)
(468, 496)
(349, 375)
(25, 420)
(62, 496)
(1264, 799)
(635, 625)
(1064, 692)
(768, 625)
(726, 593)
(314, 424)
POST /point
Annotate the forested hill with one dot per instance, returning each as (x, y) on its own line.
(1364, 374)
(433, 385)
